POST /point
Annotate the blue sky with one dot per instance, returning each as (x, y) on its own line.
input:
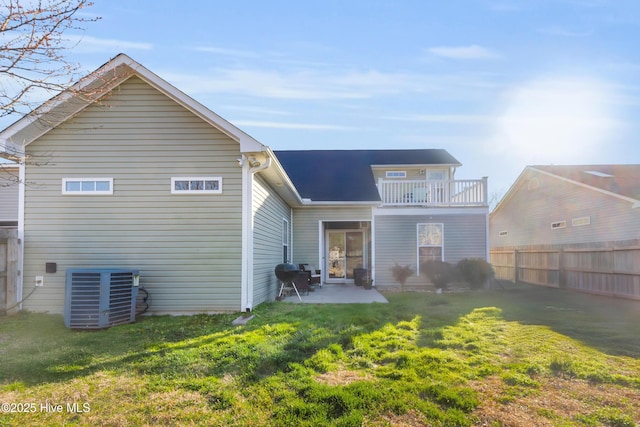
(500, 84)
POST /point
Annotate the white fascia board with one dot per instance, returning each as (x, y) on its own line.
(430, 211)
(61, 98)
(311, 203)
(510, 192)
(282, 175)
(416, 165)
(247, 143)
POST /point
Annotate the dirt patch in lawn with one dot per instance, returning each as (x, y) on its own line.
(557, 399)
(342, 377)
(410, 419)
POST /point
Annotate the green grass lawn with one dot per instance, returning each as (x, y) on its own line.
(518, 356)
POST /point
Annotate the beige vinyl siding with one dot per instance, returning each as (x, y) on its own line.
(396, 241)
(187, 247)
(413, 173)
(528, 214)
(306, 228)
(8, 194)
(269, 211)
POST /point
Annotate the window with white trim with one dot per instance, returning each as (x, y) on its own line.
(87, 186)
(430, 242)
(196, 185)
(285, 240)
(558, 224)
(578, 222)
(396, 174)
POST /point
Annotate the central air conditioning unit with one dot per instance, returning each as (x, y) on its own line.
(100, 298)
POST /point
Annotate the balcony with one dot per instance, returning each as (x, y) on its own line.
(463, 192)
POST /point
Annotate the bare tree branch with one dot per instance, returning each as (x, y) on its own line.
(32, 50)
(33, 65)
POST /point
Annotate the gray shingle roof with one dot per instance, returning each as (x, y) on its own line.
(345, 175)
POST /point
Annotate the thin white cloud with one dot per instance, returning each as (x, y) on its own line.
(463, 52)
(88, 44)
(226, 52)
(563, 32)
(285, 125)
(445, 118)
(301, 84)
(257, 110)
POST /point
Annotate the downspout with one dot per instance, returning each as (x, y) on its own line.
(485, 195)
(249, 168)
(291, 234)
(21, 198)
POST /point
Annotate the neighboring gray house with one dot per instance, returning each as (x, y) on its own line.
(8, 194)
(144, 177)
(552, 205)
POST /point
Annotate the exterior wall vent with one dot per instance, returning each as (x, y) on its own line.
(100, 298)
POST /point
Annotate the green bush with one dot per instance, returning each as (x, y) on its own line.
(438, 272)
(474, 271)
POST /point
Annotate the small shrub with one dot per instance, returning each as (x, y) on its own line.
(563, 368)
(438, 272)
(475, 271)
(401, 273)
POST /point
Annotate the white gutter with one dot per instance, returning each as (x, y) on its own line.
(308, 202)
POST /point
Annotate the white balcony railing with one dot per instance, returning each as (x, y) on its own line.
(463, 192)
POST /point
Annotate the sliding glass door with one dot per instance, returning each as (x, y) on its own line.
(345, 250)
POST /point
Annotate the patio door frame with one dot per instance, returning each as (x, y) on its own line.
(327, 249)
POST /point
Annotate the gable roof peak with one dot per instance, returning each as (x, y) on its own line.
(95, 85)
(618, 179)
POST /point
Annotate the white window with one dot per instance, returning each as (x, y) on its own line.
(558, 224)
(396, 174)
(87, 186)
(578, 222)
(285, 240)
(196, 185)
(430, 242)
(435, 176)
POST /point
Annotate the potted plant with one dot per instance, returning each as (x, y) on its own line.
(367, 281)
(401, 273)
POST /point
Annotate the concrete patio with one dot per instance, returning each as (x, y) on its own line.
(338, 294)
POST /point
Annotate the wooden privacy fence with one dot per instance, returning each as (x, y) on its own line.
(9, 248)
(608, 268)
